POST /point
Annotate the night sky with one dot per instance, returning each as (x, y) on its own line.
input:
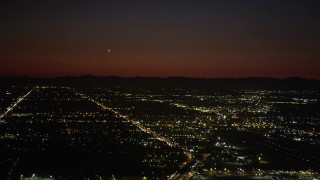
(192, 38)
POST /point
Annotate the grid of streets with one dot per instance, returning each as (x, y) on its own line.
(104, 133)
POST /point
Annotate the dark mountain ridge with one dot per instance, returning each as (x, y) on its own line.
(294, 83)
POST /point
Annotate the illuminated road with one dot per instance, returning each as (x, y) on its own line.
(190, 163)
(137, 124)
(144, 129)
(15, 104)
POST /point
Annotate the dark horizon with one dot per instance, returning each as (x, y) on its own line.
(156, 77)
(172, 82)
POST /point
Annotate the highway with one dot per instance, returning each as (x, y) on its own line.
(190, 162)
(142, 128)
(15, 104)
(10, 108)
